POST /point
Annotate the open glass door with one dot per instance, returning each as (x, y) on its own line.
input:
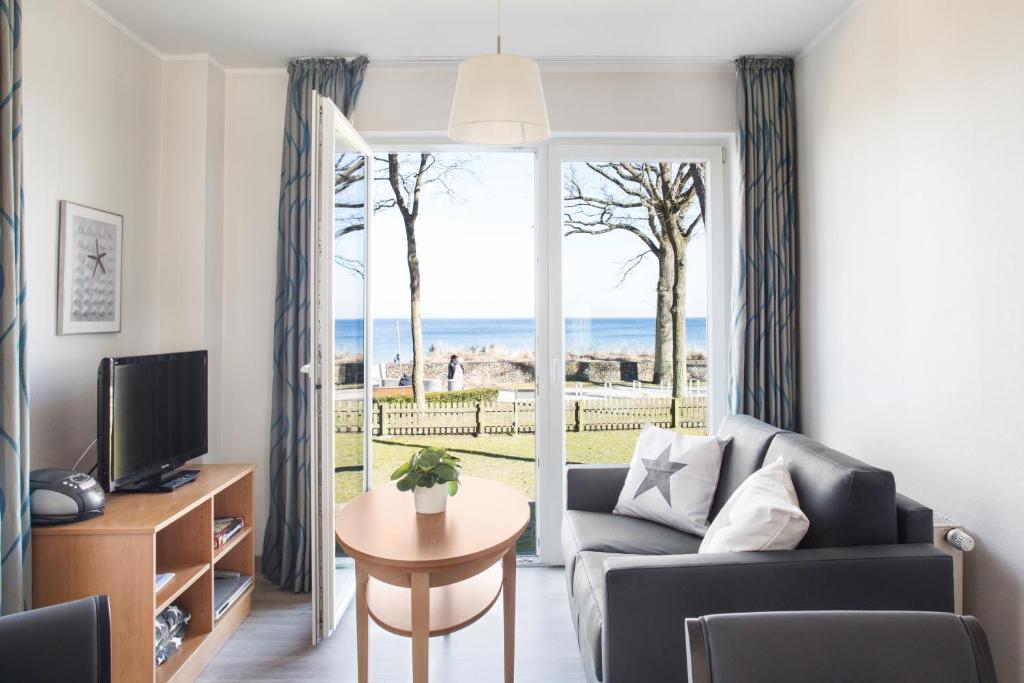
(342, 193)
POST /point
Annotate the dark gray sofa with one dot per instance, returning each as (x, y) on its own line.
(633, 583)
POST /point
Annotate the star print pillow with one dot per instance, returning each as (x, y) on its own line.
(672, 479)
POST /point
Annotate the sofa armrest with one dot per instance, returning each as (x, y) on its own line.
(648, 598)
(914, 521)
(594, 488)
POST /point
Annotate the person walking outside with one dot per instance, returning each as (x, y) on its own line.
(456, 374)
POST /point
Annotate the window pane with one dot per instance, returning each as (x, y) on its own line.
(349, 315)
(635, 302)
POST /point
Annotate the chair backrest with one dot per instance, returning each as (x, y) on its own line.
(840, 647)
(743, 456)
(66, 642)
(848, 502)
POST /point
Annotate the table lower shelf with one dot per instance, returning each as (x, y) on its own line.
(452, 607)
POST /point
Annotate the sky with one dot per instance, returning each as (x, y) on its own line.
(476, 255)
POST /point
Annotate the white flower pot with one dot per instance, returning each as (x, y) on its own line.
(432, 500)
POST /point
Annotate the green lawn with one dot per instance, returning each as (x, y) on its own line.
(505, 458)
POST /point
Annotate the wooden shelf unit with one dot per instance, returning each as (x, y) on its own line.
(119, 553)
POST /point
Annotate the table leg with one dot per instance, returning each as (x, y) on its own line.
(362, 623)
(420, 626)
(508, 590)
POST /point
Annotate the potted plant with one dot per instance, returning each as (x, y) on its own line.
(432, 474)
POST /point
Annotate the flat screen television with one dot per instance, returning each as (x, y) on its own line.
(152, 418)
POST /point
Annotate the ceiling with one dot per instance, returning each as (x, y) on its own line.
(266, 33)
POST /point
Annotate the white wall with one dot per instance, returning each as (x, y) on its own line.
(191, 219)
(92, 112)
(580, 99)
(393, 99)
(910, 149)
(111, 125)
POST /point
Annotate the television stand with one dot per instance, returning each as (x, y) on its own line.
(165, 483)
(140, 535)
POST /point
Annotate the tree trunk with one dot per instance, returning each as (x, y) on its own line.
(663, 320)
(679, 375)
(414, 313)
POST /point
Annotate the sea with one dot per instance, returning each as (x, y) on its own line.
(392, 336)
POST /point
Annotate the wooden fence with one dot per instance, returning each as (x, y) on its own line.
(395, 419)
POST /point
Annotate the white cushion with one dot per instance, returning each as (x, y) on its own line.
(762, 514)
(672, 479)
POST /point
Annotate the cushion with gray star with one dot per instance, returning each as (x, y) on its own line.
(672, 479)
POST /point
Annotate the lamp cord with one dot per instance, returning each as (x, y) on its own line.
(499, 27)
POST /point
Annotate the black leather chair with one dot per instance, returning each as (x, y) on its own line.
(66, 643)
(839, 647)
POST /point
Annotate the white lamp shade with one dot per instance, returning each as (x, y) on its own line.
(499, 100)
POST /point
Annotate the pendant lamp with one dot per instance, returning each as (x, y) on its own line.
(499, 100)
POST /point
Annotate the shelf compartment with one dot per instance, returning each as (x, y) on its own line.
(244, 597)
(184, 577)
(187, 540)
(198, 600)
(165, 672)
(242, 538)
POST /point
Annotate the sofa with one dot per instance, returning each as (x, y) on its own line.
(633, 583)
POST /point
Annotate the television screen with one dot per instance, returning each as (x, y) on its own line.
(153, 415)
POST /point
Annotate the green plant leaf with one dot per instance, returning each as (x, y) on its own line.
(406, 483)
(402, 470)
(428, 457)
(445, 472)
(453, 488)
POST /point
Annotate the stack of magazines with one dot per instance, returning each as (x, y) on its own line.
(171, 625)
(224, 528)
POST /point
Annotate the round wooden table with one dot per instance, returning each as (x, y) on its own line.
(429, 575)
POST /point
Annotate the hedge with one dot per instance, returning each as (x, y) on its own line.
(464, 396)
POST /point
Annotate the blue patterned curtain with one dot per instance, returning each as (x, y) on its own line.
(15, 520)
(765, 333)
(286, 549)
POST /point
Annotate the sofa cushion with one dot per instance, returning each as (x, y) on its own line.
(605, 532)
(588, 604)
(743, 456)
(848, 502)
(608, 533)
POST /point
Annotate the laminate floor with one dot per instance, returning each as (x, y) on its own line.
(273, 644)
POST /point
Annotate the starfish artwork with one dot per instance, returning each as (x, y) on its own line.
(659, 473)
(97, 260)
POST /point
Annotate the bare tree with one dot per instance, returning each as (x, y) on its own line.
(407, 176)
(350, 204)
(662, 205)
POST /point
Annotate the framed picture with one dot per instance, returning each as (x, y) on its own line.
(88, 271)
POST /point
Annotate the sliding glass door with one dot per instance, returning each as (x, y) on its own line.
(637, 302)
(536, 308)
